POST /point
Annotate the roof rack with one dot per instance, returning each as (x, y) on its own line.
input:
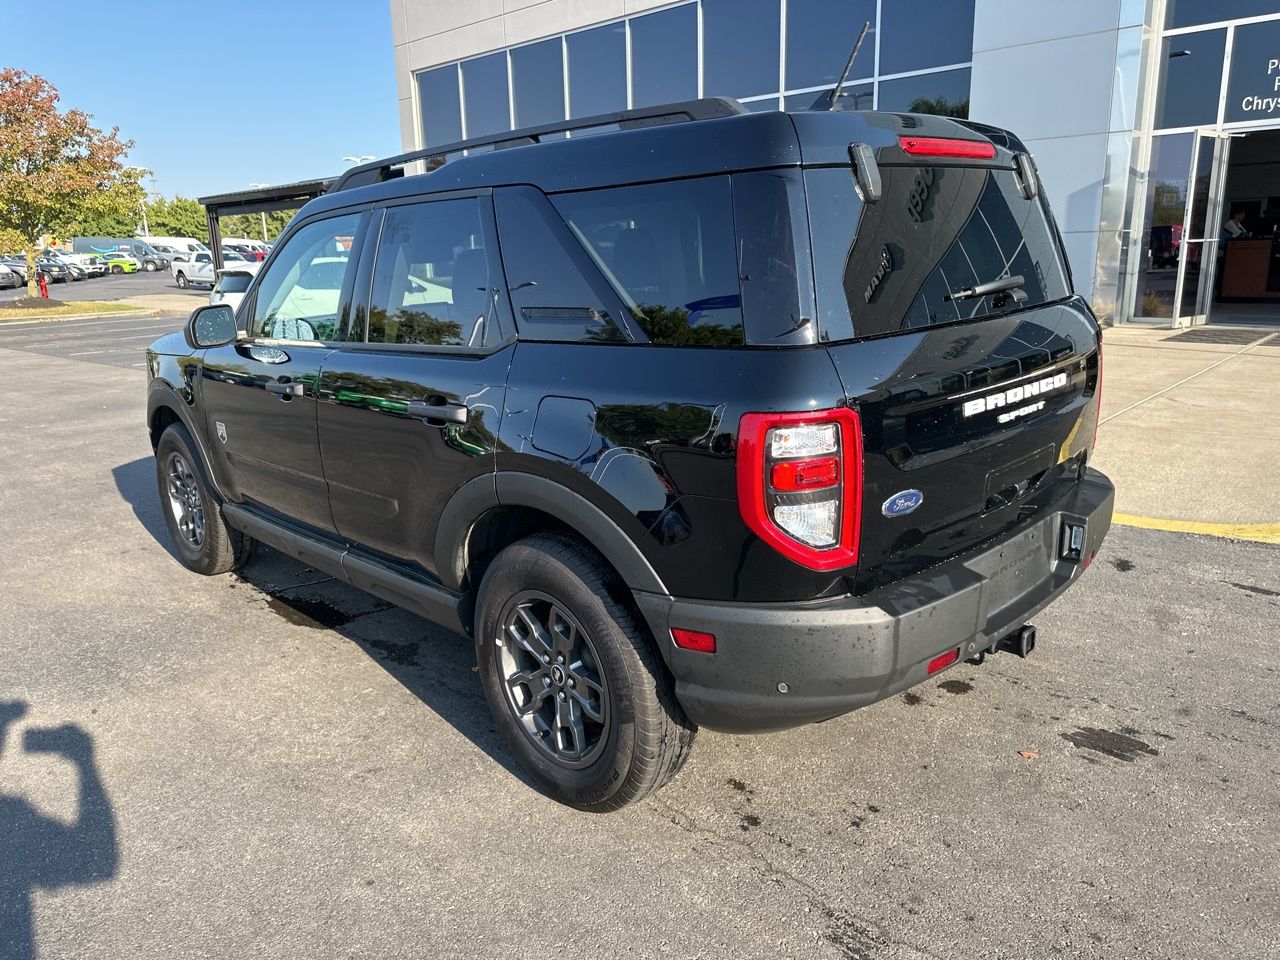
(393, 167)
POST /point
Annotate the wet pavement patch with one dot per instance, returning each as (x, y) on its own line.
(310, 612)
(958, 687)
(912, 699)
(1123, 565)
(1120, 746)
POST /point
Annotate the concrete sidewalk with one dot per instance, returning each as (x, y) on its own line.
(1191, 430)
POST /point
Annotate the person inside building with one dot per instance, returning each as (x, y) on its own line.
(1234, 229)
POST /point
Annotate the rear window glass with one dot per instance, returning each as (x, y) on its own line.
(234, 282)
(669, 249)
(904, 262)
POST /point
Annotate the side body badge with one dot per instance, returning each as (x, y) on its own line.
(902, 503)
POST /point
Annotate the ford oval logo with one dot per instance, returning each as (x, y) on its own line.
(900, 504)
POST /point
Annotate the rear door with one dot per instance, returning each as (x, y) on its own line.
(975, 407)
(411, 402)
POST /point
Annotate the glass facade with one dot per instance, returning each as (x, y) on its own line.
(767, 53)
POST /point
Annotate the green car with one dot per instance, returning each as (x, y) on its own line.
(119, 262)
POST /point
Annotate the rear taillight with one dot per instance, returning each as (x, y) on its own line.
(947, 147)
(800, 484)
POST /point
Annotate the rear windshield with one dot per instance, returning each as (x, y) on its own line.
(234, 282)
(904, 262)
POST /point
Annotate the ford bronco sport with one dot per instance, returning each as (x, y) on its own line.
(710, 418)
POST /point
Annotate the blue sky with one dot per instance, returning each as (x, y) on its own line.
(218, 94)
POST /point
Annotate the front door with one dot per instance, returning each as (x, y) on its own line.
(410, 412)
(259, 393)
(1198, 258)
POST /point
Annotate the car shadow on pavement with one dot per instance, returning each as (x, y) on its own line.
(39, 852)
(434, 664)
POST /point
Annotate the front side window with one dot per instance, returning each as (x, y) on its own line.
(669, 249)
(432, 281)
(299, 295)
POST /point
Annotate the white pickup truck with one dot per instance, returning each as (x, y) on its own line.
(196, 268)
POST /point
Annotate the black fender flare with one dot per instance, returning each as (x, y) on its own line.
(476, 497)
(162, 394)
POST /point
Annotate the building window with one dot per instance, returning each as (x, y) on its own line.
(924, 34)
(1251, 87)
(945, 93)
(597, 70)
(664, 56)
(1192, 13)
(484, 88)
(1190, 79)
(820, 37)
(537, 76)
(740, 47)
(440, 106)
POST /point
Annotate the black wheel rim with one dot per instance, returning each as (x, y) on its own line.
(184, 501)
(551, 677)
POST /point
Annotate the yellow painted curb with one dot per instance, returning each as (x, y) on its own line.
(1257, 532)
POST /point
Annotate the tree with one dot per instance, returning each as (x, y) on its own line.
(179, 217)
(115, 212)
(55, 167)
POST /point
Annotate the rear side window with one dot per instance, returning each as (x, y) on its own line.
(432, 280)
(669, 249)
(234, 282)
(903, 262)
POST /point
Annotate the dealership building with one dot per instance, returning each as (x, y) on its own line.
(1155, 123)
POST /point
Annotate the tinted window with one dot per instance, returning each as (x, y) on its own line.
(1190, 13)
(1251, 89)
(918, 34)
(760, 106)
(945, 93)
(234, 282)
(537, 77)
(739, 47)
(670, 248)
(773, 257)
(597, 70)
(557, 292)
(484, 84)
(936, 231)
(664, 56)
(1190, 79)
(299, 295)
(853, 96)
(440, 106)
(431, 280)
(820, 36)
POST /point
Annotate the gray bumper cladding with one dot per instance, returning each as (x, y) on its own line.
(834, 656)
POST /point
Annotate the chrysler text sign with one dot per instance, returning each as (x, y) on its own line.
(1253, 89)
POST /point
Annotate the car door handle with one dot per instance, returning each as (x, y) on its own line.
(286, 389)
(446, 412)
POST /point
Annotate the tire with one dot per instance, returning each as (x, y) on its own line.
(182, 280)
(202, 539)
(639, 738)
(116, 268)
(149, 267)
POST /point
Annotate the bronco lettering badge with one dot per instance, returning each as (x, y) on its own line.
(1015, 395)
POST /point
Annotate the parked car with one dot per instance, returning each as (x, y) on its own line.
(74, 270)
(149, 258)
(197, 269)
(52, 272)
(251, 250)
(118, 262)
(8, 278)
(231, 284)
(184, 246)
(736, 420)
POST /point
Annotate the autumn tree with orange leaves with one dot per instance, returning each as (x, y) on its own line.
(55, 167)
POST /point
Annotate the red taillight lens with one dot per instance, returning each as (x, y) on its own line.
(805, 474)
(946, 147)
(800, 484)
(694, 640)
(944, 660)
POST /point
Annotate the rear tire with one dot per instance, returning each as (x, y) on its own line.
(202, 538)
(182, 280)
(556, 642)
(116, 268)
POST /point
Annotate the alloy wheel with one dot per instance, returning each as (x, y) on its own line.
(551, 675)
(184, 501)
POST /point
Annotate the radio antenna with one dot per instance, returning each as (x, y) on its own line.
(835, 93)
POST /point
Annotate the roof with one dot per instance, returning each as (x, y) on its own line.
(286, 196)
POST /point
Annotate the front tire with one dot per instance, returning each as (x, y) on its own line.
(202, 538)
(573, 679)
(182, 281)
(150, 267)
(116, 268)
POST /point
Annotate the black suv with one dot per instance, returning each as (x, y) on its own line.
(709, 418)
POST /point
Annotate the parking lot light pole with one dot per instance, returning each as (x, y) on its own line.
(262, 213)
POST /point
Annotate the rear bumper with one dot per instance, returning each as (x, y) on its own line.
(834, 656)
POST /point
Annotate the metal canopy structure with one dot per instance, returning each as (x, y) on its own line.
(288, 196)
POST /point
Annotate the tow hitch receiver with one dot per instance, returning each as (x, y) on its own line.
(1022, 641)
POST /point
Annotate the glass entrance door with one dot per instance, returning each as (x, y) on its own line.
(1201, 247)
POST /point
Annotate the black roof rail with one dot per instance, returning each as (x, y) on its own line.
(392, 167)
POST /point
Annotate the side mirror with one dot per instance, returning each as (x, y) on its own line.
(211, 326)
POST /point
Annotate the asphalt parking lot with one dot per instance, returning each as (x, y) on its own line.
(113, 287)
(278, 765)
